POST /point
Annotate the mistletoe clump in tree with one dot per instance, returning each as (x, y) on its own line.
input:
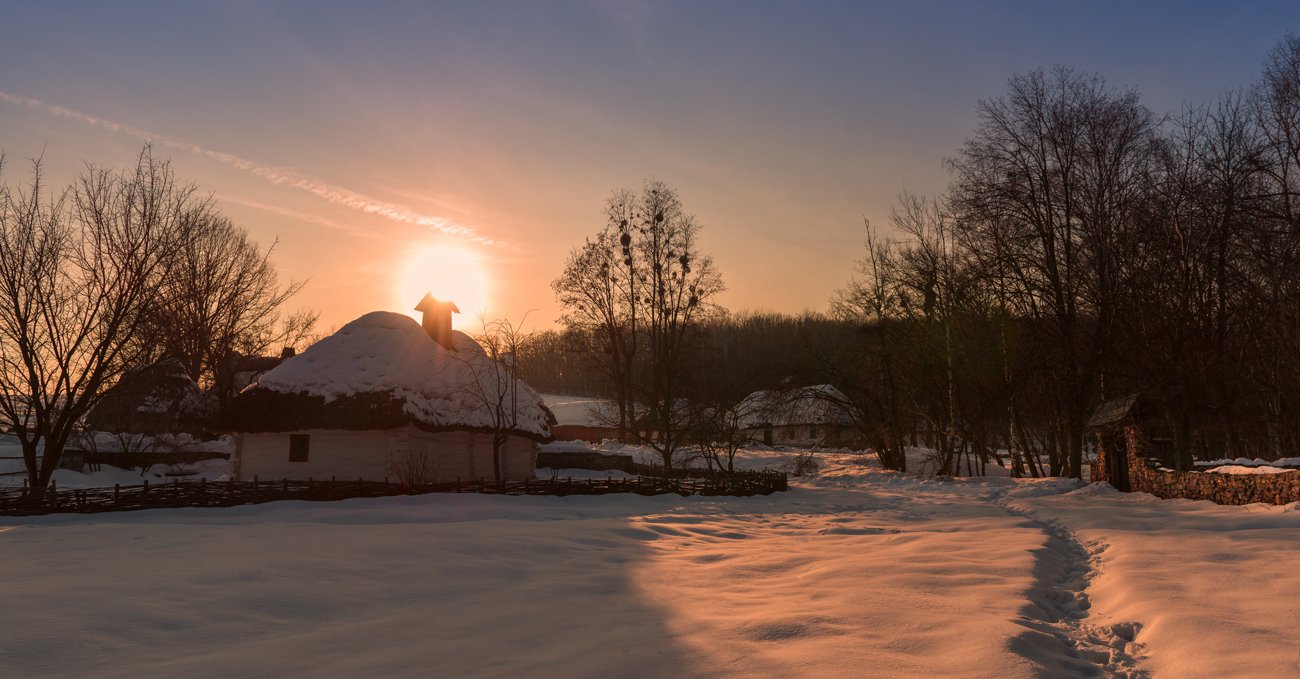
(637, 294)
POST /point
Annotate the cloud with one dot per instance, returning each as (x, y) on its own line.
(332, 193)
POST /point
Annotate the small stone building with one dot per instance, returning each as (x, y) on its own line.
(1108, 425)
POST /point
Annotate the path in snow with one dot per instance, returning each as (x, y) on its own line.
(1055, 620)
(901, 578)
(1213, 586)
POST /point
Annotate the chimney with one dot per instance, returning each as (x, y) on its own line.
(437, 319)
(287, 352)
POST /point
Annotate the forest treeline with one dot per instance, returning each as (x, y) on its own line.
(1086, 248)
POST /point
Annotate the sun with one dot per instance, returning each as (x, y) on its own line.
(449, 272)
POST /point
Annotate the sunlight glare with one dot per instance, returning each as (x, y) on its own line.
(451, 273)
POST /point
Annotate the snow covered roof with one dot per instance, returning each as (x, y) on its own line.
(159, 398)
(820, 404)
(584, 411)
(381, 371)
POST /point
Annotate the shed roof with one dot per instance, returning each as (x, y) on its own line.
(1113, 413)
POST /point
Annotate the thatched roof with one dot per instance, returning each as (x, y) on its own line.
(383, 371)
(820, 404)
(155, 399)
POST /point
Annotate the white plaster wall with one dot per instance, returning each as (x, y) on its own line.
(370, 455)
(468, 456)
(338, 453)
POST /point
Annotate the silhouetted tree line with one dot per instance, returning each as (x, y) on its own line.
(1087, 249)
(736, 354)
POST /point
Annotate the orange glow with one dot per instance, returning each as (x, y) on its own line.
(450, 273)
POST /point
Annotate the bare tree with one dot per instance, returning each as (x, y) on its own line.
(869, 300)
(77, 270)
(641, 291)
(222, 296)
(1054, 173)
(495, 385)
(597, 292)
(413, 467)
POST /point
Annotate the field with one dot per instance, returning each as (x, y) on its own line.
(854, 572)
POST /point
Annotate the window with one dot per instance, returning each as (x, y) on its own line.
(298, 446)
(812, 432)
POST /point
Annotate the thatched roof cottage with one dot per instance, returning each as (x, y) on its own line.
(817, 415)
(384, 398)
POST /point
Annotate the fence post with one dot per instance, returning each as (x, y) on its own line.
(117, 490)
(145, 492)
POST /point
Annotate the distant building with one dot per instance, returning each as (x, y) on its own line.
(818, 415)
(581, 418)
(385, 398)
(154, 414)
(155, 399)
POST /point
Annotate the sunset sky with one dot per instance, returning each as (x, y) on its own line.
(383, 143)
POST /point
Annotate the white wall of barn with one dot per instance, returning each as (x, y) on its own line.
(376, 455)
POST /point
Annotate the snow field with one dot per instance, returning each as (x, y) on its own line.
(855, 572)
(1211, 588)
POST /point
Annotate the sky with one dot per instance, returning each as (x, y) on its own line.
(465, 148)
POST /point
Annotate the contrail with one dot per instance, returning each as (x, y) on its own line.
(275, 175)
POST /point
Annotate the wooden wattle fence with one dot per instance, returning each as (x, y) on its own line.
(176, 494)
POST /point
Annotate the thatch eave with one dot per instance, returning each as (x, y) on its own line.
(260, 410)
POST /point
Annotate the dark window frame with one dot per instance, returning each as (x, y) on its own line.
(299, 447)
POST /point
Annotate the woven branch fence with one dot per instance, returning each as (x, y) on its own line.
(26, 502)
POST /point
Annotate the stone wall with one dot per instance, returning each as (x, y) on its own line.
(1149, 476)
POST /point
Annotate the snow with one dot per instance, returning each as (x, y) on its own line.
(1243, 469)
(855, 572)
(1213, 587)
(386, 352)
(12, 471)
(105, 442)
(108, 475)
(818, 404)
(1247, 462)
(583, 411)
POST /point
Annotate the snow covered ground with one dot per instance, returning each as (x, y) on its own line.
(1248, 462)
(855, 572)
(587, 411)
